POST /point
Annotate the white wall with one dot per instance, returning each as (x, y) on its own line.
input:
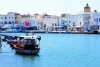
(7, 18)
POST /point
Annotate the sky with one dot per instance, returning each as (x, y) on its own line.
(51, 7)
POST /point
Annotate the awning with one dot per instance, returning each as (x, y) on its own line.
(56, 26)
(78, 26)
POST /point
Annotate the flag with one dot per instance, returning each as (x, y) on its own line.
(26, 23)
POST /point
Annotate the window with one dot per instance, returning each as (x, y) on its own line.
(5, 17)
(72, 29)
(96, 20)
(5, 22)
(73, 23)
(44, 25)
(98, 27)
(69, 28)
(9, 22)
(52, 24)
(99, 19)
(12, 22)
(55, 24)
(1, 17)
(27, 41)
(69, 21)
(1, 22)
(80, 23)
(38, 23)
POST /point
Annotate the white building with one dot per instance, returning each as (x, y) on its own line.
(44, 22)
(10, 19)
(48, 23)
(77, 22)
(95, 20)
(34, 22)
(7, 20)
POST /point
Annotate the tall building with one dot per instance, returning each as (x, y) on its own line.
(87, 8)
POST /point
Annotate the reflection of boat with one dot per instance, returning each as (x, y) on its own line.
(29, 45)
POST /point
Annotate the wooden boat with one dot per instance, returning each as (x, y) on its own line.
(28, 45)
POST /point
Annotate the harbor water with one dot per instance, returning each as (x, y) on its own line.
(56, 50)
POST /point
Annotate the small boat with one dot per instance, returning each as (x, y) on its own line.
(5, 37)
(95, 32)
(28, 45)
(10, 39)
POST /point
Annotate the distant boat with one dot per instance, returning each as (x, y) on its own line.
(94, 32)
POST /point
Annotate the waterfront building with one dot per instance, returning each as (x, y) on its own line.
(82, 22)
(33, 22)
(95, 20)
(17, 17)
(7, 20)
(78, 22)
(50, 23)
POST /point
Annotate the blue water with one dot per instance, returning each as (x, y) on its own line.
(57, 50)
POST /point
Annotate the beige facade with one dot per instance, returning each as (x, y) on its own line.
(17, 18)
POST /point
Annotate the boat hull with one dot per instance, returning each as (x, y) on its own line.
(27, 51)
